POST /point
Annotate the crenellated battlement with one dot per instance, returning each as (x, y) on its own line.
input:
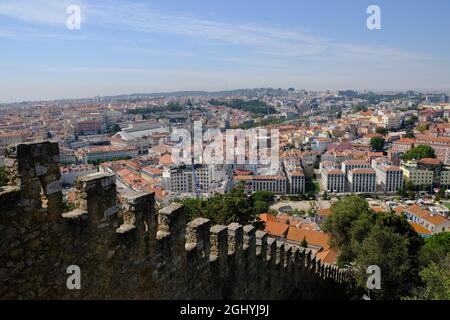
(127, 250)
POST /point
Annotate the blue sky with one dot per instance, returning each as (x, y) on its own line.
(128, 46)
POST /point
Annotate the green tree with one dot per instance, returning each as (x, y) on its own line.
(441, 193)
(174, 107)
(435, 248)
(434, 259)
(411, 121)
(257, 107)
(419, 152)
(382, 131)
(422, 128)
(296, 212)
(359, 108)
(311, 212)
(304, 243)
(260, 206)
(400, 225)
(377, 144)
(410, 134)
(233, 206)
(402, 193)
(435, 282)
(114, 128)
(409, 185)
(263, 195)
(339, 224)
(363, 238)
(193, 208)
(389, 251)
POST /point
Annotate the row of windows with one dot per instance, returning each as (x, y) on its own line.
(363, 189)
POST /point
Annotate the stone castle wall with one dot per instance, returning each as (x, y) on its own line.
(127, 250)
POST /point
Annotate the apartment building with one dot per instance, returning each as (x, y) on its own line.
(341, 156)
(151, 172)
(445, 178)
(70, 173)
(403, 145)
(333, 180)
(441, 146)
(310, 159)
(328, 156)
(419, 177)
(362, 180)
(7, 139)
(320, 145)
(326, 165)
(349, 165)
(389, 177)
(392, 121)
(400, 147)
(141, 136)
(295, 176)
(274, 183)
(208, 179)
(366, 139)
(178, 179)
(371, 155)
(67, 156)
(432, 222)
(90, 126)
(105, 153)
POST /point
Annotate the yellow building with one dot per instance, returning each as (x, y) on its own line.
(418, 177)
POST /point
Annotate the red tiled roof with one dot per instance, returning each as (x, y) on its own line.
(399, 210)
(312, 237)
(276, 229)
(356, 162)
(430, 161)
(363, 171)
(266, 217)
(375, 154)
(405, 141)
(334, 171)
(417, 211)
(166, 159)
(327, 256)
(392, 168)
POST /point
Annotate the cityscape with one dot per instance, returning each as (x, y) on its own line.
(220, 190)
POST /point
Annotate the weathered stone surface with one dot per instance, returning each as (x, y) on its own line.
(129, 251)
(124, 228)
(74, 214)
(40, 170)
(111, 211)
(53, 187)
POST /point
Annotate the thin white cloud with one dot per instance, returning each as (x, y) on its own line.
(126, 15)
(36, 11)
